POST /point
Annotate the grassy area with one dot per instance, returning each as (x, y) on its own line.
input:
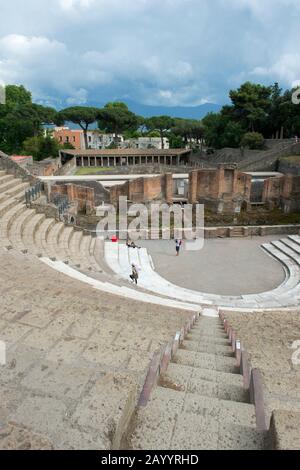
(96, 170)
(293, 159)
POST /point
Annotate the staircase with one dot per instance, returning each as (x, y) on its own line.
(237, 232)
(200, 401)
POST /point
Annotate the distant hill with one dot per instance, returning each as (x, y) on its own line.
(187, 112)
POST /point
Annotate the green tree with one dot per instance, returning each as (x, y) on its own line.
(116, 118)
(175, 141)
(41, 147)
(162, 124)
(253, 141)
(82, 116)
(251, 104)
(20, 118)
(219, 131)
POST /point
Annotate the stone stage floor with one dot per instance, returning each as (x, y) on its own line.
(225, 266)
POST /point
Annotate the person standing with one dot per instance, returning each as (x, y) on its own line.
(178, 244)
(134, 275)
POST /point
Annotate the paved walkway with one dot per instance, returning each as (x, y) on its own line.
(224, 266)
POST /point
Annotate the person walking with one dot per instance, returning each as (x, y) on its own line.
(134, 275)
(178, 244)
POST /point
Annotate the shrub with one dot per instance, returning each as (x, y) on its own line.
(253, 141)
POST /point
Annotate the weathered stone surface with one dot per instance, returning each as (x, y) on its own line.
(64, 338)
(18, 438)
(285, 430)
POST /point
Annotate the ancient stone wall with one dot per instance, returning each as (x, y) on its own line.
(288, 167)
(83, 196)
(13, 168)
(44, 168)
(283, 192)
(145, 190)
(221, 190)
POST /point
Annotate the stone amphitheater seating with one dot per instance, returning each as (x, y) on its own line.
(62, 247)
(67, 350)
(80, 341)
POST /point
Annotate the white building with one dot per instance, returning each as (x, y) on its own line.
(99, 141)
(144, 143)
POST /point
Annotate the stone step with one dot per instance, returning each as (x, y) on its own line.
(208, 329)
(7, 204)
(98, 254)
(5, 179)
(295, 238)
(89, 262)
(184, 420)
(212, 320)
(16, 229)
(182, 372)
(51, 242)
(211, 434)
(206, 361)
(29, 233)
(94, 265)
(9, 186)
(292, 245)
(64, 240)
(208, 339)
(194, 335)
(214, 348)
(9, 217)
(74, 248)
(225, 411)
(286, 250)
(202, 324)
(184, 378)
(41, 235)
(18, 190)
(209, 322)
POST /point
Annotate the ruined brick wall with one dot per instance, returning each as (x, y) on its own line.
(290, 197)
(83, 196)
(272, 191)
(207, 184)
(243, 185)
(40, 169)
(145, 190)
(220, 189)
(283, 192)
(117, 191)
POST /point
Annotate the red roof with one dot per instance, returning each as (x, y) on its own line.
(20, 157)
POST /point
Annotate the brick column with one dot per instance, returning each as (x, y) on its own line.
(193, 183)
(169, 187)
(71, 191)
(220, 181)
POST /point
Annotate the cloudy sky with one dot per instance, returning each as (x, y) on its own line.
(156, 52)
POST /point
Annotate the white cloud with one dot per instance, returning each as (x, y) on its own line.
(75, 4)
(286, 69)
(79, 97)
